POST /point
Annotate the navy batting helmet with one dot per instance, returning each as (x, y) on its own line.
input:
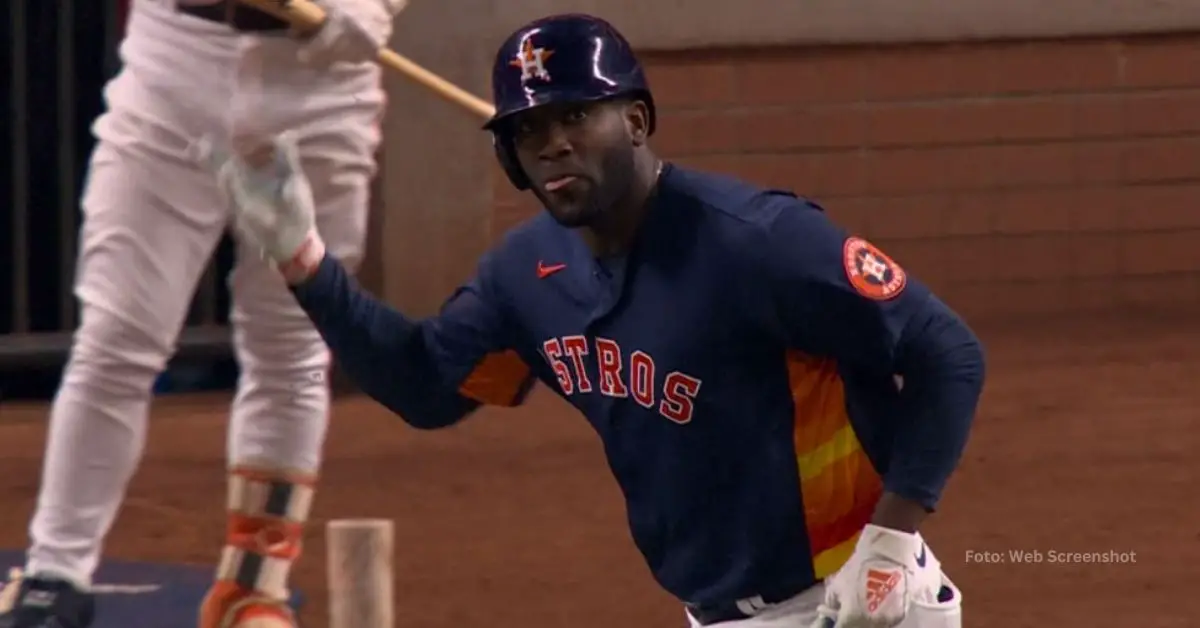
(560, 59)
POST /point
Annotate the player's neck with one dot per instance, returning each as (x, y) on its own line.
(615, 234)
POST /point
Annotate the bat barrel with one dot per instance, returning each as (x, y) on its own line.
(360, 577)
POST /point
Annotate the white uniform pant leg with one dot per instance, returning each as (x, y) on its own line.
(281, 411)
(150, 225)
(797, 612)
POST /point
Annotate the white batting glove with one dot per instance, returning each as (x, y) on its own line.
(878, 584)
(272, 205)
(353, 32)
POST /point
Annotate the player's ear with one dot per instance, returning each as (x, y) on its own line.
(637, 122)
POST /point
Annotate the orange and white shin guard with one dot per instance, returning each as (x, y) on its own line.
(267, 511)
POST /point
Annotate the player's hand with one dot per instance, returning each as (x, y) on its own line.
(272, 204)
(353, 32)
(878, 584)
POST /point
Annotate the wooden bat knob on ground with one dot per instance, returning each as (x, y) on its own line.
(307, 16)
(360, 573)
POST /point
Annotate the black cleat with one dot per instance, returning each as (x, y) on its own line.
(48, 603)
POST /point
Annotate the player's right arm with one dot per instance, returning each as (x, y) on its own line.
(432, 372)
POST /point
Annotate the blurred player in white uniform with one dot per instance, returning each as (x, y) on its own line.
(198, 71)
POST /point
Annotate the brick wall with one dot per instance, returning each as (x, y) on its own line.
(1015, 178)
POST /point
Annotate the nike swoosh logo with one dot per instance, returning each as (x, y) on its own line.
(921, 557)
(544, 271)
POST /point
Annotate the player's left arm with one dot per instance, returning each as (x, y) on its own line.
(839, 296)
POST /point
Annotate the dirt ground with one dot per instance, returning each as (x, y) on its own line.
(1086, 442)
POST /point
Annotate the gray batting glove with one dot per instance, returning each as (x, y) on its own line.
(272, 204)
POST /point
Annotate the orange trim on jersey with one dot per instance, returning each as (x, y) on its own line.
(837, 482)
(500, 379)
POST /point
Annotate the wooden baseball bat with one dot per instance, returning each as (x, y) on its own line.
(359, 571)
(305, 15)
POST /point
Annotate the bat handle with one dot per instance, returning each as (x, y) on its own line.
(444, 88)
(305, 14)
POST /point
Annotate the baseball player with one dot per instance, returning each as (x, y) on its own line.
(780, 402)
(196, 70)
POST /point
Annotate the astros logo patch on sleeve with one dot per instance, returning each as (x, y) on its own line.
(873, 274)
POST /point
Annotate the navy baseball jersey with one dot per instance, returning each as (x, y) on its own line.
(739, 364)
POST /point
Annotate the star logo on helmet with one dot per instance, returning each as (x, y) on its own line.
(532, 61)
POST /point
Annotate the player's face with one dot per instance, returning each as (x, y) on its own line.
(579, 157)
